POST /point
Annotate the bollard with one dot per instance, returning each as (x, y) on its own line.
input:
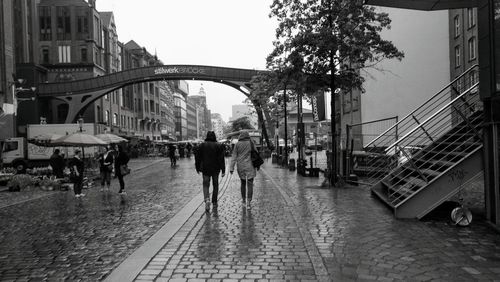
(291, 164)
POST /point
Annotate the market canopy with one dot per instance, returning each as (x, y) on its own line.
(79, 139)
(111, 138)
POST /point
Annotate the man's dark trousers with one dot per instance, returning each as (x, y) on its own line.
(206, 186)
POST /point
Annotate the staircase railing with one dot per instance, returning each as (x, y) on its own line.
(443, 139)
(388, 150)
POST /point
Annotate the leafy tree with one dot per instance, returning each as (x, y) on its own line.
(329, 41)
(241, 123)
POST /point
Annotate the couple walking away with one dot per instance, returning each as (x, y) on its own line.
(210, 161)
(112, 160)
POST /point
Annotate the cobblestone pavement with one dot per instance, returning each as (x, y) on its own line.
(297, 230)
(55, 236)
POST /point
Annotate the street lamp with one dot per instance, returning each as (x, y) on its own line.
(80, 123)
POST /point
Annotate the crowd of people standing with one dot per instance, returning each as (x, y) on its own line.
(209, 161)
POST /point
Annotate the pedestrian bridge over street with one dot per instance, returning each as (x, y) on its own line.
(79, 94)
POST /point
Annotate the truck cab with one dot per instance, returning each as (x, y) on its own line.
(13, 153)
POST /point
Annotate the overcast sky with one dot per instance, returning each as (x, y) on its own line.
(225, 33)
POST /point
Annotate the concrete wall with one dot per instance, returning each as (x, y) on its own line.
(406, 84)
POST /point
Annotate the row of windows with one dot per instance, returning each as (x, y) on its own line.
(64, 55)
(125, 121)
(63, 24)
(471, 22)
(472, 46)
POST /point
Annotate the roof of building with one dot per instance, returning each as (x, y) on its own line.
(106, 17)
(132, 45)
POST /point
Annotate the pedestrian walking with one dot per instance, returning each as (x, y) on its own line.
(106, 162)
(241, 157)
(209, 160)
(173, 155)
(77, 169)
(121, 160)
(57, 164)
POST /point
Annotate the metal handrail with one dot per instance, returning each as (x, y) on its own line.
(388, 142)
(454, 144)
(432, 116)
(424, 104)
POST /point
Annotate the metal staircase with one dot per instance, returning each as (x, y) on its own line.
(429, 155)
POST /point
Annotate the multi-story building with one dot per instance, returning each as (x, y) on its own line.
(72, 45)
(218, 125)
(394, 88)
(146, 95)
(167, 110)
(19, 68)
(60, 40)
(192, 119)
(181, 91)
(463, 40)
(204, 123)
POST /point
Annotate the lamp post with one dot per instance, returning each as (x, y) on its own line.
(80, 123)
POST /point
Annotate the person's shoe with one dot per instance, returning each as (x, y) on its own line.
(207, 206)
(249, 206)
(122, 193)
(82, 195)
(77, 195)
(102, 189)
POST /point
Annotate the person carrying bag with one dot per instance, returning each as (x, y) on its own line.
(242, 158)
(121, 168)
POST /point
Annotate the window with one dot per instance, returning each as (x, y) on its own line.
(115, 119)
(472, 48)
(151, 89)
(64, 54)
(63, 23)
(45, 23)
(99, 114)
(146, 108)
(471, 19)
(83, 54)
(457, 56)
(106, 117)
(157, 108)
(96, 29)
(10, 146)
(152, 105)
(82, 23)
(45, 55)
(457, 25)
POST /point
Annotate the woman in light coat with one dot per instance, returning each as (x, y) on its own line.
(241, 157)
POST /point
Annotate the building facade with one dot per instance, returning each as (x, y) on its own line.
(181, 91)
(218, 126)
(395, 88)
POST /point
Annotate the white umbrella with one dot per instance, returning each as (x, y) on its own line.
(79, 139)
(111, 138)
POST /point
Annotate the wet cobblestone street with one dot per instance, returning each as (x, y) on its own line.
(295, 231)
(59, 237)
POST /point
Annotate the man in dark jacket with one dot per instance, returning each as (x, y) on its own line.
(209, 160)
(57, 164)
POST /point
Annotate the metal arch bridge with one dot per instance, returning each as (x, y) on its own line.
(79, 94)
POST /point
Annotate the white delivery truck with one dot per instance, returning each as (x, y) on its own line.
(21, 154)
